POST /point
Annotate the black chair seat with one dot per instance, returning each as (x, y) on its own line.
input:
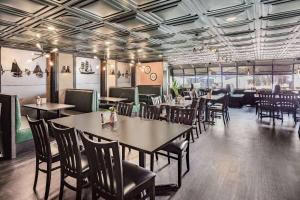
(176, 146)
(134, 176)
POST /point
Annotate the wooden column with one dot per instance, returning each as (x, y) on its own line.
(52, 66)
(103, 78)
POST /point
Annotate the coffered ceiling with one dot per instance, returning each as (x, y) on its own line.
(179, 31)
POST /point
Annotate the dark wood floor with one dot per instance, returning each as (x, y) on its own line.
(246, 160)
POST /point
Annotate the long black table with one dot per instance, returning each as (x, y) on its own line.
(145, 136)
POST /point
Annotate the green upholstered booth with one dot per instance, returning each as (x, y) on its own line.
(84, 100)
(146, 90)
(15, 131)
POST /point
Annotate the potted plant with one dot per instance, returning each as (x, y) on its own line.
(175, 88)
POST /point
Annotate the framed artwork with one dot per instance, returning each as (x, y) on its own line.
(153, 76)
(147, 69)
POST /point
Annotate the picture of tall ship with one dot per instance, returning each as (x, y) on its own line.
(86, 68)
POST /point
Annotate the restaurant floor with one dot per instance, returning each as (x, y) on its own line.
(246, 160)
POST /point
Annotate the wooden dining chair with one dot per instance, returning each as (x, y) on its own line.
(156, 100)
(114, 179)
(149, 111)
(124, 109)
(201, 114)
(178, 149)
(220, 109)
(45, 151)
(74, 164)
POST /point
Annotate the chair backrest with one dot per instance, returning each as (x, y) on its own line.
(265, 99)
(41, 138)
(201, 107)
(195, 103)
(168, 98)
(106, 168)
(287, 101)
(68, 147)
(156, 100)
(124, 109)
(149, 111)
(180, 115)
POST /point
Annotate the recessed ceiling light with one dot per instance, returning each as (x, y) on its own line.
(95, 50)
(51, 28)
(160, 55)
(107, 42)
(95, 57)
(47, 56)
(38, 35)
(231, 19)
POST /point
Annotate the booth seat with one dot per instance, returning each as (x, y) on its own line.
(131, 93)
(147, 91)
(15, 130)
(84, 100)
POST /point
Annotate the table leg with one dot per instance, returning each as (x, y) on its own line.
(58, 113)
(142, 159)
(38, 113)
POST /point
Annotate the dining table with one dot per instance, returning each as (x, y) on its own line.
(143, 135)
(48, 107)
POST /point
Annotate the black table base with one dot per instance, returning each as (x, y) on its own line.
(166, 189)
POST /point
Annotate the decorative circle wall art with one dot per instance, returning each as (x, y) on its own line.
(147, 70)
(153, 76)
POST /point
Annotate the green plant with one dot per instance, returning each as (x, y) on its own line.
(175, 87)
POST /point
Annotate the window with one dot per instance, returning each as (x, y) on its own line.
(263, 77)
(189, 77)
(297, 76)
(245, 77)
(229, 77)
(214, 77)
(283, 76)
(178, 76)
(201, 78)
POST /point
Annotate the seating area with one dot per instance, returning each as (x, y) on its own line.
(145, 100)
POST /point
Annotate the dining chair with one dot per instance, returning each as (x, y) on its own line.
(74, 163)
(156, 100)
(201, 114)
(195, 105)
(149, 111)
(168, 98)
(114, 179)
(178, 148)
(124, 109)
(287, 105)
(45, 151)
(221, 108)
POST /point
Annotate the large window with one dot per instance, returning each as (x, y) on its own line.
(283, 76)
(229, 77)
(263, 77)
(189, 77)
(245, 77)
(178, 76)
(201, 78)
(297, 76)
(214, 77)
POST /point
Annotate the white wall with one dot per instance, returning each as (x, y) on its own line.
(88, 81)
(26, 87)
(65, 80)
(123, 81)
